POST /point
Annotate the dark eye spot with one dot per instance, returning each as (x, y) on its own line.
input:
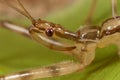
(49, 32)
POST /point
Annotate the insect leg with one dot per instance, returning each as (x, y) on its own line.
(85, 53)
(108, 40)
(58, 69)
(15, 28)
(114, 8)
(91, 12)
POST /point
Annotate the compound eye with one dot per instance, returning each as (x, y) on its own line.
(49, 32)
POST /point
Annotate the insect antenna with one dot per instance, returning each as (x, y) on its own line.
(23, 11)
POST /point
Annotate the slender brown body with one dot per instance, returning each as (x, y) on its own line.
(86, 40)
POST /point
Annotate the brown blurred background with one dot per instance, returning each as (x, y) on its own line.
(38, 8)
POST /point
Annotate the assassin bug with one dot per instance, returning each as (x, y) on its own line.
(86, 41)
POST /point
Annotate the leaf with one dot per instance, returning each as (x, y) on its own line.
(18, 53)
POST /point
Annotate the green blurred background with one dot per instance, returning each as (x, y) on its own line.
(18, 53)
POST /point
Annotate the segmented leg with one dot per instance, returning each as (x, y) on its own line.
(91, 13)
(85, 54)
(59, 69)
(88, 21)
(15, 28)
(114, 8)
(107, 40)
